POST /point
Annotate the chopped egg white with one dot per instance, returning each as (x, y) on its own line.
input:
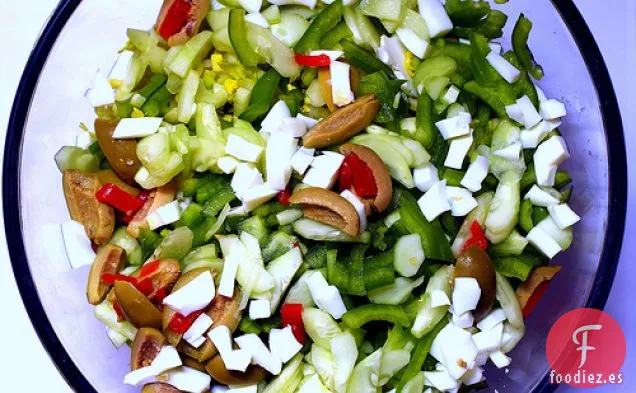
(197, 330)
(275, 117)
(392, 53)
(140, 127)
(494, 318)
(461, 201)
(511, 152)
(221, 337)
(302, 159)
(164, 215)
(489, 340)
(230, 268)
(260, 354)
(434, 202)
(283, 344)
(552, 109)
(101, 93)
(341, 92)
(439, 299)
(359, 206)
(167, 358)
(455, 126)
(257, 18)
(295, 126)
(440, 380)
(435, 16)
(120, 68)
(258, 195)
(476, 173)
(540, 197)
(194, 296)
(543, 242)
(331, 301)
(500, 359)
(78, 245)
(553, 151)
(546, 174)
(307, 3)
(466, 294)
(310, 122)
(333, 54)
(237, 360)
(228, 164)
(418, 46)
(242, 149)
(245, 177)
(503, 67)
(563, 215)
(532, 137)
(457, 151)
(451, 95)
(324, 171)
(281, 147)
(188, 380)
(529, 113)
(425, 177)
(457, 349)
(464, 320)
(260, 309)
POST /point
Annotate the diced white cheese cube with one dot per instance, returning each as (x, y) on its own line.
(237, 360)
(316, 283)
(331, 301)
(324, 170)
(514, 112)
(164, 215)
(452, 94)
(260, 354)
(476, 173)
(461, 201)
(457, 151)
(257, 18)
(441, 381)
(464, 320)
(530, 114)
(435, 16)
(434, 202)
(189, 380)
(242, 149)
(494, 318)
(540, 197)
(101, 93)
(489, 340)
(503, 67)
(512, 152)
(120, 68)
(333, 54)
(341, 92)
(221, 337)
(258, 195)
(275, 117)
(530, 138)
(78, 245)
(425, 177)
(310, 122)
(245, 177)
(295, 126)
(500, 359)
(259, 309)
(552, 109)
(554, 151)
(563, 215)
(228, 164)
(283, 344)
(418, 46)
(194, 296)
(197, 330)
(131, 128)
(439, 298)
(359, 206)
(543, 242)
(455, 126)
(546, 174)
(302, 159)
(458, 351)
(230, 268)
(466, 294)
(280, 149)
(473, 376)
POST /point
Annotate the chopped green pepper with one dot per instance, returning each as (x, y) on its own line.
(221, 198)
(497, 96)
(337, 34)
(520, 35)
(262, 96)
(385, 90)
(525, 216)
(491, 27)
(238, 37)
(363, 59)
(518, 266)
(539, 213)
(158, 103)
(192, 216)
(467, 13)
(376, 312)
(378, 277)
(356, 270)
(155, 82)
(524, 85)
(322, 25)
(425, 131)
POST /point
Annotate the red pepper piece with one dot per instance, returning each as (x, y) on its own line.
(111, 278)
(313, 61)
(363, 181)
(478, 237)
(345, 181)
(120, 314)
(535, 298)
(160, 295)
(114, 196)
(292, 315)
(283, 196)
(145, 286)
(149, 268)
(180, 324)
(175, 19)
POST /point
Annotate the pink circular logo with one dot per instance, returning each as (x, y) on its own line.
(586, 348)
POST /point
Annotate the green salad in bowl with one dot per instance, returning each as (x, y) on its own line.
(318, 196)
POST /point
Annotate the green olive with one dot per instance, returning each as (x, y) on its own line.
(110, 259)
(475, 262)
(216, 368)
(148, 342)
(137, 308)
(120, 153)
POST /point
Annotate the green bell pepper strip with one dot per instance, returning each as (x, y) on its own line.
(491, 27)
(155, 82)
(237, 29)
(337, 272)
(337, 34)
(524, 85)
(308, 75)
(384, 90)
(453, 177)
(381, 260)
(200, 232)
(514, 266)
(249, 326)
(497, 96)
(450, 224)
(363, 59)
(190, 186)
(375, 312)
(316, 257)
(467, 13)
(539, 213)
(461, 53)
(124, 109)
(158, 103)
(356, 270)
(412, 220)
(262, 96)
(520, 35)
(525, 216)
(378, 277)
(485, 73)
(294, 100)
(269, 209)
(440, 150)
(419, 355)
(149, 241)
(221, 198)
(425, 130)
(320, 27)
(192, 216)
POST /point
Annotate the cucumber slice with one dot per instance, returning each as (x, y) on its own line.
(314, 230)
(272, 14)
(290, 29)
(439, 66)
(393, 141)
(503, 214)
(408, 255)
(398, 167)
(288, 216)
(420, 155)
(366, 374)
(513, 245)
(427, 316)
(390, 10)
(396, 293)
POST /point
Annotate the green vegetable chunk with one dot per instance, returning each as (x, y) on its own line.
(520, 35)
(238, 36)
(375, 312)
(322, 25)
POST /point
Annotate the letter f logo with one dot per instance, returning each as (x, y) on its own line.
(583, 344)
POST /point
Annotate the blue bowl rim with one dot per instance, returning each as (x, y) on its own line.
(11, 183)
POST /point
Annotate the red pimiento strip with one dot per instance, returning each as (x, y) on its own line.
(292, 315)
(180, 324)
(313, 61)
(361, 177)
(283, 196)
(120, 314)
(111, 278)
(345, 181)
(114, 196)
(535, 298)
(478, 237)
(160, 295)
(149, 268)
(175, 19)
